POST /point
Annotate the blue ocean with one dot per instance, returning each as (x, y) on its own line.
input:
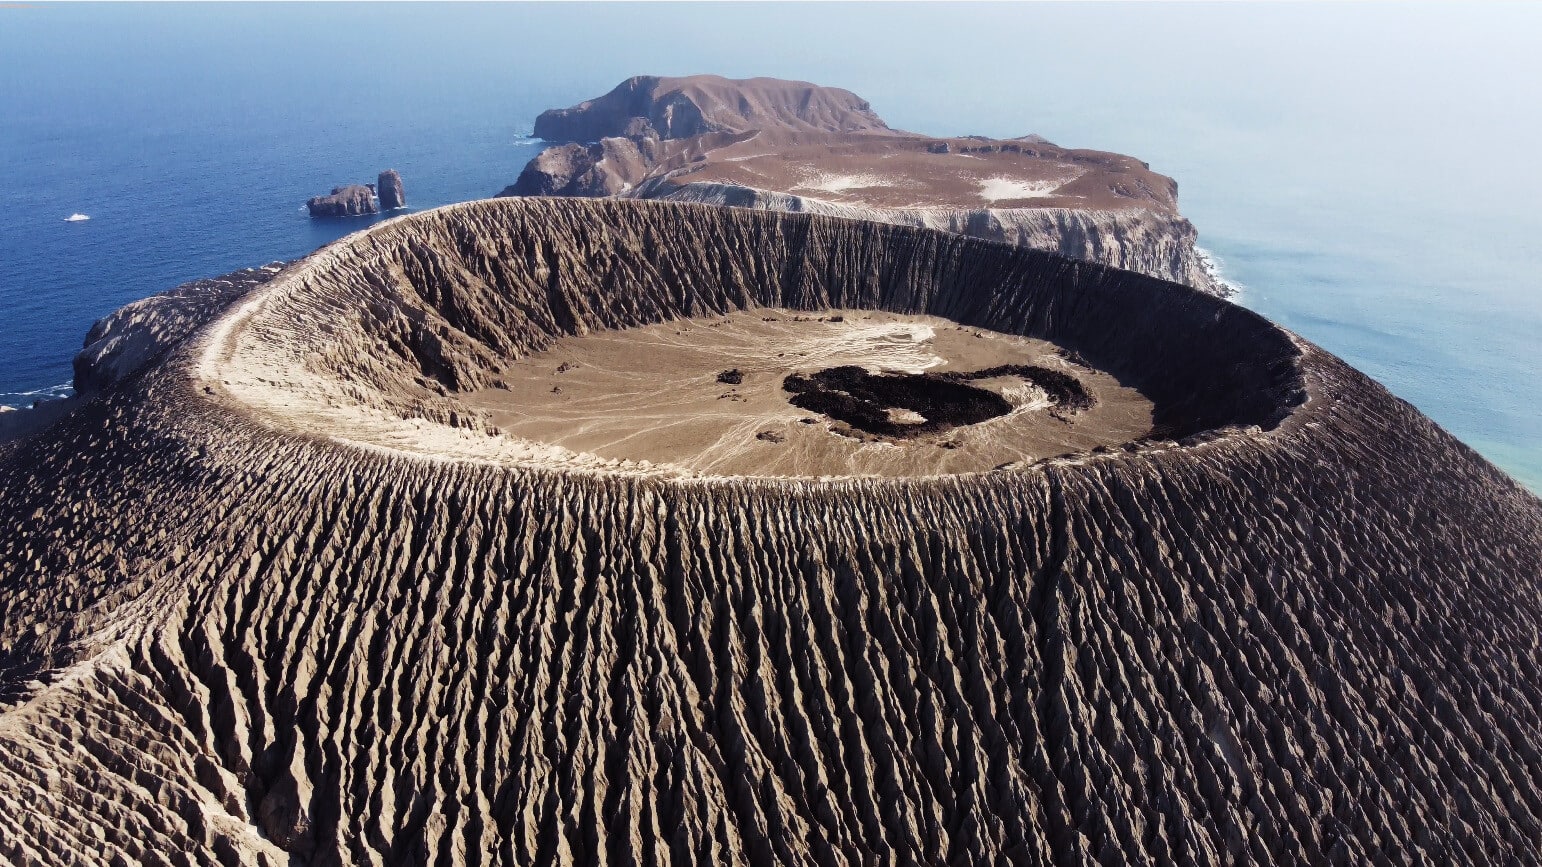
(1365, 173)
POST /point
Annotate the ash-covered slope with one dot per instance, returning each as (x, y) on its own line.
(283, 598)
(791, 145)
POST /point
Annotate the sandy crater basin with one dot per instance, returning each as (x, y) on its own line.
(659, 393)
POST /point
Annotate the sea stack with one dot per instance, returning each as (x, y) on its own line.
(388, 187)
(349, 201)
(452, 543)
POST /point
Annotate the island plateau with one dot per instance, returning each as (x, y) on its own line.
(793, 146)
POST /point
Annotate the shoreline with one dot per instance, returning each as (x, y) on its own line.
(1215, 270)
(19, 401)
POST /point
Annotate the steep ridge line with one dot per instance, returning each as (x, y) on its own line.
(226, 637)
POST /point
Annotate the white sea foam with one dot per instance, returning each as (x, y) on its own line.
(25, 399)
(76, 218)
(1214, 267)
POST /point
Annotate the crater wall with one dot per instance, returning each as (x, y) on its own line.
(420, 309)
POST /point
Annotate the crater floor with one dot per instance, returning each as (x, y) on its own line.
(710, 396)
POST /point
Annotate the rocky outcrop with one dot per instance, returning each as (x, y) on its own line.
(586, 170)
(134, 337)
(791, 145)
(679, 108)
(388, 187)
(123, 342)
(350, 201)
(285, 599)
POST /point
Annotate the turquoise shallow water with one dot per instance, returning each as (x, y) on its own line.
(1365, 172)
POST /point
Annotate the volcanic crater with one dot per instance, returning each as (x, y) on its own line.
(338, 579)
(615, 353)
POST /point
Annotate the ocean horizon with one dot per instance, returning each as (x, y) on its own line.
(1354, 171)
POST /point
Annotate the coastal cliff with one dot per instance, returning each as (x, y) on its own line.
(123, 342)
(603, 168)
(134, 337)
(782, 145)
(1144, 241)
(286, 596)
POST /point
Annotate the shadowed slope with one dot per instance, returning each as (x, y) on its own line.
(1306, 635)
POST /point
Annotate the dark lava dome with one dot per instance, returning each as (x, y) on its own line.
(940, 401)
(296, 594)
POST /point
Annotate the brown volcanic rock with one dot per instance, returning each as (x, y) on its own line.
(350, 201)
(808, 140)
(388, 187)
(586, 170)
(286, 596)
(677, 108)
(908, 171)
(794, 146)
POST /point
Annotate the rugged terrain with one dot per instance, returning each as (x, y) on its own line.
(794, 146)
(287, 595)
(136, 335)
(389, 188)
(353, 200)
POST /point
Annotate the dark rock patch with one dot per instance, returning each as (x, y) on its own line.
(866, 401)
